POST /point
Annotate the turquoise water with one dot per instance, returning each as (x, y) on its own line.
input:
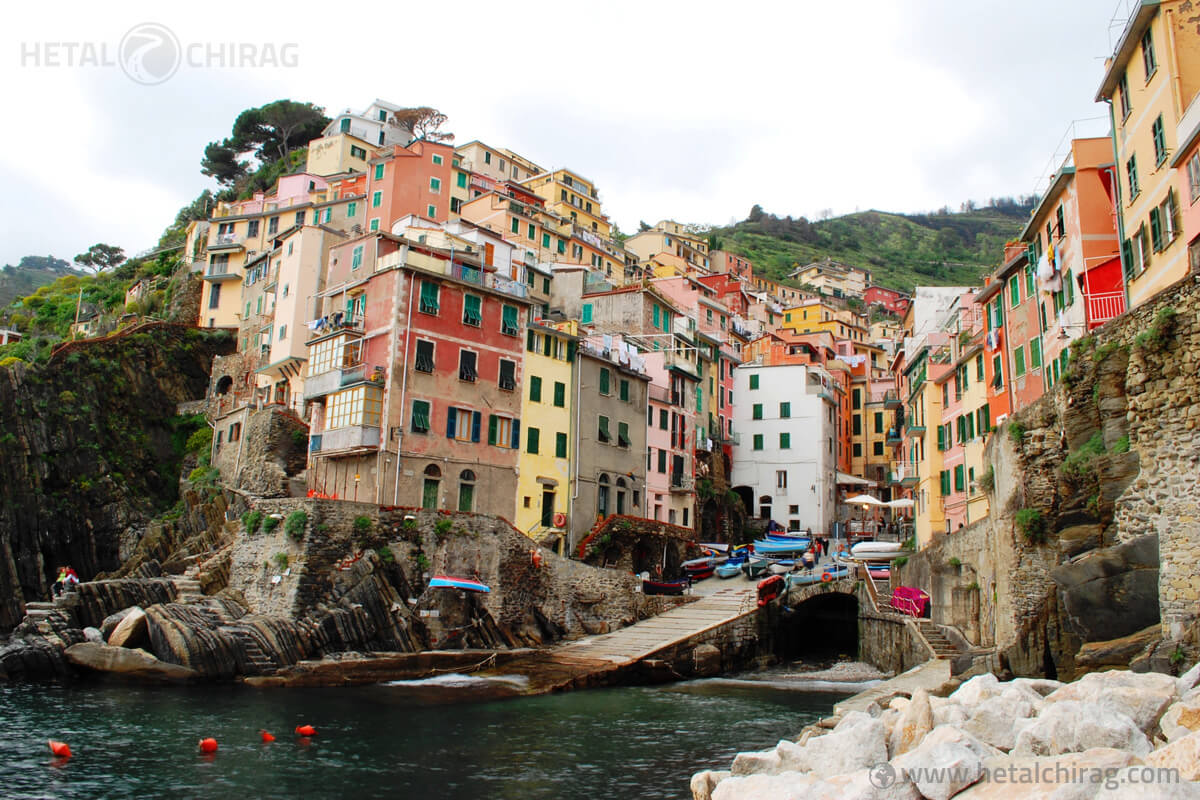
(386, 741)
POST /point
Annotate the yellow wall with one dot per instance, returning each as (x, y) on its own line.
(929, 517)
(332, 155)
(549, 420)
(973, 458)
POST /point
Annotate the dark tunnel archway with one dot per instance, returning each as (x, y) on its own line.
(822, 627)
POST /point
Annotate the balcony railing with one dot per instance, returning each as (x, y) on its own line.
(891, 399)
(893, 436)
(509, 287)
(467, 274)
(681, 482)
(1103, 306)
(348, 438)
(904, 473)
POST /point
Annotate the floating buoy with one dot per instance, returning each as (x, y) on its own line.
(826, 577)
(266, 737)
(60, 749)
(306, 730)
(208, 745)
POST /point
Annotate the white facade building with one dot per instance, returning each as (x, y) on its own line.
(785, 459)
(374, 125)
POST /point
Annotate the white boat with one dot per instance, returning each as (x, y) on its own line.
(877, 551)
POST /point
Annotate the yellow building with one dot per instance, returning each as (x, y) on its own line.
(338, 154)
(671, 242)
(495, 163)
(1149, 81)
(919, 468)
(572, 196)
(833, 278)
(814, 315)
(975, 401)
(547, 408)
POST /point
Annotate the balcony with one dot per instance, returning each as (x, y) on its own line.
(904, 473)
(317, 386)
(467, 273)
(226, 242)
(509, 287)
(893, 436)
(221, 273)
(918, 428)
(336, 323)
(1103, 306)
(681, 483)
(352, 437)
(891, 399)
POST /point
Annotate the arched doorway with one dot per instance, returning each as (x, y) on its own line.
(602, 496)
(466, 490)
(224, 384)
(821, 627)
(620, 495)
(431, 487)
(747, 496)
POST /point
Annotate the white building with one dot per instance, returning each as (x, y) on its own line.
(784, 459)
(374, 125)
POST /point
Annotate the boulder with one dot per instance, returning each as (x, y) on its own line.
(757, 762)
(1181, 718)
(976, 690)
(132, 630)
(125, 663)
(1187, 681)
(1142, 696)
(949, 714)
(93, 635)
(704, 782)
(1182, 754)
(852, 719)
(940, 769)
(110, 622)
(1071, 726)
(995, 719)
(784, 786)
(1009, 777)
(1118, 652)
(852, 748)
(880, 783)
(1112, 591)
(915, 721)
(706, 660)
(950, 733)
(1043, 686)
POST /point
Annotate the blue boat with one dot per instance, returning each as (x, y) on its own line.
(448, 582)
(834, 572)
(774, 547)
(730, 569)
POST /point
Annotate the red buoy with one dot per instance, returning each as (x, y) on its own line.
(306, 730)
(60, 749)
(266, 737)
(208, 745)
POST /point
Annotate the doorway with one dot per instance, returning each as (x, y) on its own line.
(547, 508)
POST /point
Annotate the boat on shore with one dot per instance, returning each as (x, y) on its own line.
(829, 573)
(771, 546)
(450, 582)
(728, 569)
(877, 551)
(664, 587)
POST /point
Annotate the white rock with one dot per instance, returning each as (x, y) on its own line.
(1043, 686)
(852, 719)
(1181, 718)
(759, 762)
(785, 786)
(1182, 754)
(943, 734)
(853, 748)
(916, 720)
(704, 782)
(994, 719)
(1126, 788)
(1071, 726)
(899, 703)
(865, 784)
(1023, 693)
(1187, 681)
(1143, 697)
(950, 714)
(1064, 777)
(976, 690)
(940, 770)
(889, 718)
(93, 635)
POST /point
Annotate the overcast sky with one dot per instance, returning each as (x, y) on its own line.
(693, 111)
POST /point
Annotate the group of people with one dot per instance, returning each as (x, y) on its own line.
(67, 578)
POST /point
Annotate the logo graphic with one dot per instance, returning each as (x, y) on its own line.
(150, 53)
(882, 775)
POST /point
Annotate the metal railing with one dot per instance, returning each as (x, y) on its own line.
(1103, 306)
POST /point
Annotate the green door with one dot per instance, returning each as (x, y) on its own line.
(466, 496)
(430, 495)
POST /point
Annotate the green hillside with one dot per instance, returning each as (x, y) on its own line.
(29, 274)
(900, 250)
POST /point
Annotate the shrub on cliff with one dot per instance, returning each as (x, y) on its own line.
(269, 524)
(295, 524)
(251, 521)
(1032, 525)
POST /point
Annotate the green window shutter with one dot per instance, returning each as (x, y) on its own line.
(970, 426)
(530, 343)
(509, 322)
(941, 438)
(754, 381)
(979, 368)
(604, 428)
(571, 346)
(624, 390)
(560, 394)
(657, 316)
(586, 317)
(604, 381)
(545, 240)
(1035, 354)
(420, 416)
(1014, 291)
(1019, 358)
(959, 478)
(1156, 240)
(1069, 289)
(757, 411)
(945, 394)
(532, 232)
(471, 310)
(623, 434)
(493, 425)
(785, 441)
(560, 445)
(516, 225)
(785, 410)
(1030, 287)
(532, 436)
(535, 389)
(547, 345)
(758, 441)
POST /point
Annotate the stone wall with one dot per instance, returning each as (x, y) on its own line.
(959, 571)
(270, 451)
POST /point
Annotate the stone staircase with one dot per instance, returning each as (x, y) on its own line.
(258, 662)
(942, 647)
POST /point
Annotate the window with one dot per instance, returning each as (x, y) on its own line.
(1160, 141)
(785, 410)
(472, 314)
(516, 225)
(1148, 60)
(508, 321)
(531, 232)
(504, 432)
(1123, 87)
(586, 317)
(560, 394)
(781, 479)
(623, 434)
(252, 228)
(983, 419)
(877, 449)
(1014, 291)
(857, 420)
(376, 199)
(1035, 354)
(358, 406)
(1131, 172)
(959, 481)
(282, 332)
(997, 372)
(214, 296)
(424, 356)
(1019, 361)
(603, 435)
(466, 366)
(429, 297)
(357, 152)
(662, 419)
(420, 416)
(785, 441)
(979, 363)
(1193, 172)
(1156, 231)
(754, 381)
(535, 389)
(299, 218)
(351, 209)
(374, 226)
(560, 445)
(379, 172)
(356, 257)
(431, 212)
(857, 399)
(438, 160)
(461, 180)
(508, 375)
(758, 441)
(757, 411)
(1168, 213)
(487, 157)
(878, 422)
(604, 381)
(856, 450)
(624, 393)
(1030, 284)
(532, 437)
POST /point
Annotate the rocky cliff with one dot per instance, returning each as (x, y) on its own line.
(89, 450)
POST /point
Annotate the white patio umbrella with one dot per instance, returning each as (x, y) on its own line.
(865, 500)
(903, 502)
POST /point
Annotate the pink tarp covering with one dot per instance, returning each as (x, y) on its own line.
(910, 600)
